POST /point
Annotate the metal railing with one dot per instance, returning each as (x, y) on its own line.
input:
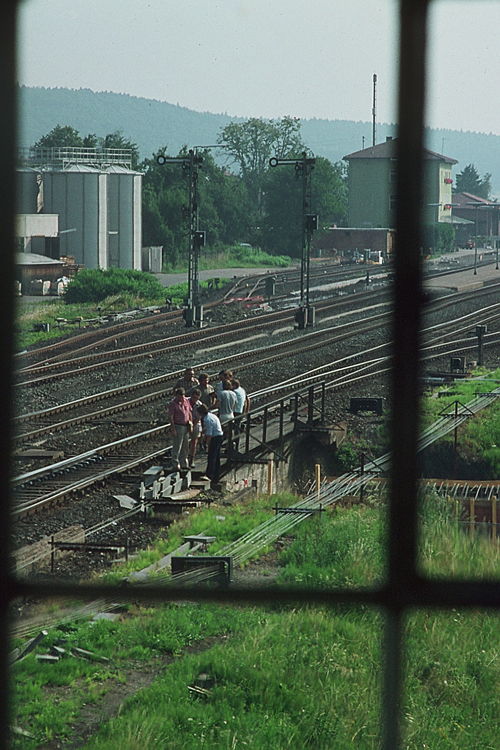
(298, 408)
(64, 157)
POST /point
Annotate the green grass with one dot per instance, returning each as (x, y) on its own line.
(297, 680)
(234, 256)
(479, 436)
(344, 551)
(284, 676)
(225, 523)
(64, 319)
(446, 548)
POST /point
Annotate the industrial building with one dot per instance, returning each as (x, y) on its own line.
(96, 196)
(373, 186)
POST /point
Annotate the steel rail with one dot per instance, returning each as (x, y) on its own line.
(436, 306)
(364, 371)
(159, 394)
(291, 346)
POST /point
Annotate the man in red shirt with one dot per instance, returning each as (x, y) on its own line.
(179, 412)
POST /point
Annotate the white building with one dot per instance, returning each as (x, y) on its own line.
(96, 196)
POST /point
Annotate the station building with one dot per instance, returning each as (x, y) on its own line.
(372, 182)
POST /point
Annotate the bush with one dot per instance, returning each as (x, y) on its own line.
(94, 285)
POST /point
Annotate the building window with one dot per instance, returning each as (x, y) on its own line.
(393, 202)
(404, 589)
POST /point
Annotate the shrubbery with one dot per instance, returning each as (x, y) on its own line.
(94, 285)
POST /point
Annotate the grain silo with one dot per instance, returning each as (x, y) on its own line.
(27, 190)
(124, 217)
(78, 193)
(97, 197)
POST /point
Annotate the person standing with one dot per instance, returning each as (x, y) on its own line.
(180, 415)
(241, 397)
(188, 381)
(195, 402)
(223, 375)
(207, 391)
(239, 409)
(213, 431)
(226, 402)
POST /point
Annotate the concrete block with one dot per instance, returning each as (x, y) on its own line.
(89, 655)
(186, 481)
(126, 502)
(110, 616)
(152, 474)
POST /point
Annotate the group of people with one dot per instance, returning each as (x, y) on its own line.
(192, 417)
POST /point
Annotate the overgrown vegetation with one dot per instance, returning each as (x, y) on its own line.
(347, 550)
(479, 437)
(95, 285)
(302, 677)
(238, 256)
(438, 239)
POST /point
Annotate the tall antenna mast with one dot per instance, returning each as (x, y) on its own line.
(374, 109)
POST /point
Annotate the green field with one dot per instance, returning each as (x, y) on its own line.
(280, 676)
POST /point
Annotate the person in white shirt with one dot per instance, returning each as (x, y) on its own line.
(227, 402)
(213, 431)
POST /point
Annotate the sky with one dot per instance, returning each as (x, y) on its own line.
(264, 58)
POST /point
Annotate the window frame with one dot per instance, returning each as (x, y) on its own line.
(404, 588)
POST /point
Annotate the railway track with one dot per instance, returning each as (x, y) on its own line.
(46, 372)
(140, 393)
(151, 392)
(36, 489)
(113, 332)
(86, 359)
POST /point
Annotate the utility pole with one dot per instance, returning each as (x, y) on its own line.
(305, 315)
(193, 313)
(374, 110)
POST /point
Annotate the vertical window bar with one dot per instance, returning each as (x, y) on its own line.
(7, 198)
(408, 299)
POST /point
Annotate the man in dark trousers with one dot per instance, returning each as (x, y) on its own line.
(213, 431)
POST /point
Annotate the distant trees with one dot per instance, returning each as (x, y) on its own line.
(62, 136)
(469, 181)
(251, 144)
(223, 207)
(65, 136)
(282, 222)
(256, 204)
(275, 195)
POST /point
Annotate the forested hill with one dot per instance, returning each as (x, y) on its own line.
(153, 124)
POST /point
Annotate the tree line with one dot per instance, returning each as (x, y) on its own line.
(241, 199)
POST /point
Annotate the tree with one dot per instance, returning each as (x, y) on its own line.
(67, 137)
(60, 137)
(118, 141)
(469, 181)
(223, 212)
(164, 193)
(282, 224)
(252, 143)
